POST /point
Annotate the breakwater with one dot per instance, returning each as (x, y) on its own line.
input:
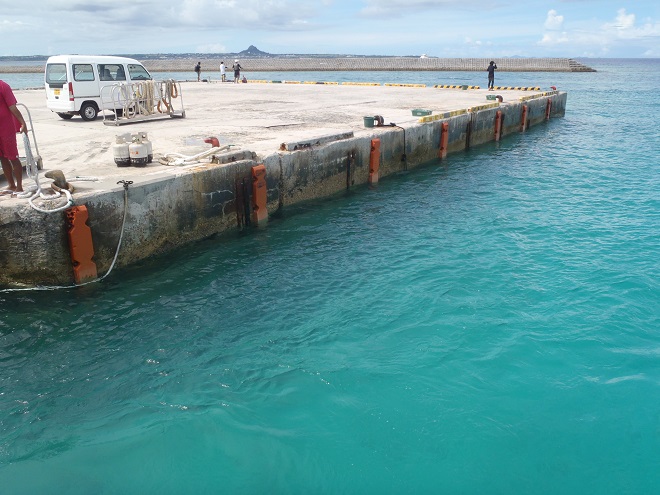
(257, 64)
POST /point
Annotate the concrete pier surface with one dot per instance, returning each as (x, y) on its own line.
(311, 139)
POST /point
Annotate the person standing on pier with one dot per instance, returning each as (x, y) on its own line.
(491, 75)
(223, 70)
(11, 122)
(198, 70)
(237, 71)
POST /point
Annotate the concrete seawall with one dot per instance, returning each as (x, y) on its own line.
(306, 64)
(169, 209)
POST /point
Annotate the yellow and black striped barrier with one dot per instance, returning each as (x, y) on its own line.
(478, 108)
(455, 86)
(260, 81)
(517, 88)
(402, 85)
(440, 116)
(322, 83)
(360, 84)
(538, 95)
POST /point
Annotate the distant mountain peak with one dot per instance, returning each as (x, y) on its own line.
(253, 51)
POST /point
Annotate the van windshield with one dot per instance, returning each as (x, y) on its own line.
(138, 73)
(55, 73)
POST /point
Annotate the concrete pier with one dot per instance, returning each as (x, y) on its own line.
(311, 139)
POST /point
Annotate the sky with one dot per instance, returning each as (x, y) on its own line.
(437, 28)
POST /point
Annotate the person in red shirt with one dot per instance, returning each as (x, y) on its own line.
(11, 122)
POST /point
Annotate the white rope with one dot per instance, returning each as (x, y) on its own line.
(34, 192)
(68, 204)
(178, 159)
(31, 166)
(83, 178)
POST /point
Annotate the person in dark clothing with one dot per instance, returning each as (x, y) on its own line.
(491, 75)
(198, 70)
(237, 71)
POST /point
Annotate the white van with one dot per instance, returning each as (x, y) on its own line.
(74, 82)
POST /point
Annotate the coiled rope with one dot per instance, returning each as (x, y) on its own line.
(34, 192)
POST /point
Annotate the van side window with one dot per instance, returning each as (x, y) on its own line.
(111, 72)
(55, 73)
(138, 73)
(83, 72)
(104, 73)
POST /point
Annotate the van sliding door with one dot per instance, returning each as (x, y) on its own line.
(85, 82)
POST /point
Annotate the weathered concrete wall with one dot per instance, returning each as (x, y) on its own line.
(208, 199)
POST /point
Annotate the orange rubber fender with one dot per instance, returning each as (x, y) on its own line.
(81, 247)
(444, 140)
(374, 161)
(548, 109)
(259, 195)
(498, 125)
(523, 119)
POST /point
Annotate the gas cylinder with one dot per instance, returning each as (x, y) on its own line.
(120, 152)
(147, 143)
(138, 152)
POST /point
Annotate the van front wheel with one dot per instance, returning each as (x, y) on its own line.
(88, 111)
(65, 116)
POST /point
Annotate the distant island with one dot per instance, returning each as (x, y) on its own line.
(256, 60)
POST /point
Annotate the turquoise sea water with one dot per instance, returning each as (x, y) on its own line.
(486, 325)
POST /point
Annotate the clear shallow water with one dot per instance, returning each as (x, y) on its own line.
(487, 325)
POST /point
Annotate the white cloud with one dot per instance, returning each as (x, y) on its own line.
(624, 28)
(469, 41)
(623, 21)
(395, 8)
(6, 26)
(604, 39)
(554, 39)
(554, 21)
(247, 14)
(211, 48)
(175, 14)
